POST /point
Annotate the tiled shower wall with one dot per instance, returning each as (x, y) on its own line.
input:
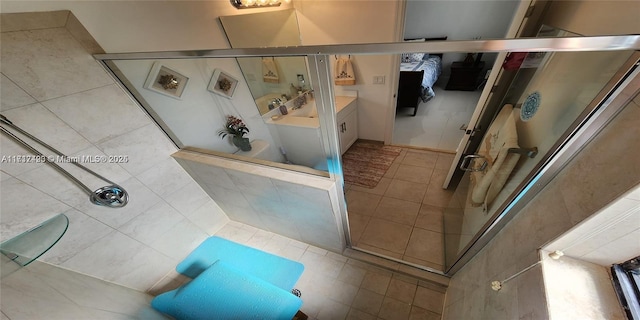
(44, 291)
(297, 205)
(607, 168)
(53, 88)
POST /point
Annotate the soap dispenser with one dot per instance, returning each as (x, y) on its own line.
(283, 109)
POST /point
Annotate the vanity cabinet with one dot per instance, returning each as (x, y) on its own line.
(348, 126)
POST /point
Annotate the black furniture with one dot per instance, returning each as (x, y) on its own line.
(409, 87)
(464, 76)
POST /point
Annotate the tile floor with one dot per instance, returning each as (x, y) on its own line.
(402, 217)
(336, 287)
(437, 123)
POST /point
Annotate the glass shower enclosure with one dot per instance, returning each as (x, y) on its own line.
(559, 109)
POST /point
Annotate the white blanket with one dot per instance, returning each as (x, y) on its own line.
(500, 137)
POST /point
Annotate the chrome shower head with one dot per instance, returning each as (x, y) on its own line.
(113, 196)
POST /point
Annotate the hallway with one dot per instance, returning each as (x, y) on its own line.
(402, 217)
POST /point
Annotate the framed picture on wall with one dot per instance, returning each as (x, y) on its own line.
(222, 83)
(165, 80)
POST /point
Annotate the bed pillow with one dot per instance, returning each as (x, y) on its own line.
(223, 292)
(412, 57)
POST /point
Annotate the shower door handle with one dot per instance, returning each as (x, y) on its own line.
(471, 132)
(468, 159)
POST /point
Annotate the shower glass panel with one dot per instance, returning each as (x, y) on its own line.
(195, 109)
(565, 89)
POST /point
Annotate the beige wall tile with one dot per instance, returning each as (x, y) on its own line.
(33, 20)
(83, 36)
(12, 95)
(63, 67)
(49, 64)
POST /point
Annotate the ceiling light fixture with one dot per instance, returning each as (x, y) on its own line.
(248, 4)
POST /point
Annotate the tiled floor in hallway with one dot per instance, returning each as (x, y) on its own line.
(437, 123)
(335, 287)
(402, 217)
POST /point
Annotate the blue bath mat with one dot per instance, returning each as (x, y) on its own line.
(223, 292)
(279, 271)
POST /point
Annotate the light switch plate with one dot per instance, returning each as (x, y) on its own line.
(378, 79)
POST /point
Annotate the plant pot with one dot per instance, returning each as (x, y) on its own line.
(242, 143)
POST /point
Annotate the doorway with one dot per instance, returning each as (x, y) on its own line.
(402, 217)
(409, 217)
(436, 125)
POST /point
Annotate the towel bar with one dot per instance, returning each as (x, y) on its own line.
(529, 152)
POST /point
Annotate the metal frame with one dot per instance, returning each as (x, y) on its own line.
(600, 43)
(320, 72)
(596, 116)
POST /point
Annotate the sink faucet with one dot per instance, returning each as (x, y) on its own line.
(277, 102)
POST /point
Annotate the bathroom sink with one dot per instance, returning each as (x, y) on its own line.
(306, 111)
(307, 115)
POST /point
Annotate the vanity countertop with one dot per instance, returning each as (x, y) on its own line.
(343, 101)
(312, 122)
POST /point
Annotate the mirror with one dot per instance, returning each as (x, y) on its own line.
(269, 78)
(197, 101)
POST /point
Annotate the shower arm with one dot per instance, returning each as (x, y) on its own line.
(112, 196)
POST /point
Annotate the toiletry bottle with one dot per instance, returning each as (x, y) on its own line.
(283, 109)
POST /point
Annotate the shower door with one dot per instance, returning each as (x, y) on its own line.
(565, 89)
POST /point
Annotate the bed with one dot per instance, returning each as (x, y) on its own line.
(418, 73)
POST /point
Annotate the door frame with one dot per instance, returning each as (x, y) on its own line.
(481, 113)
(394, 75)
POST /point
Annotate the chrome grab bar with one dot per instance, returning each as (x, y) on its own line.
(466, 161)
(113, 196)
(529, 152)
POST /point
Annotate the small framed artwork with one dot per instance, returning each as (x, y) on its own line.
(164, 80)
(223, 84)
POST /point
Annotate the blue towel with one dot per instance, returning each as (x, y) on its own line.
(281, 272)
(223, 292)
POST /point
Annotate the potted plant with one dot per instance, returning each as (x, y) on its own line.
(237, 129)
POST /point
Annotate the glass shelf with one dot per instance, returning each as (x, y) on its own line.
(31, 244)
